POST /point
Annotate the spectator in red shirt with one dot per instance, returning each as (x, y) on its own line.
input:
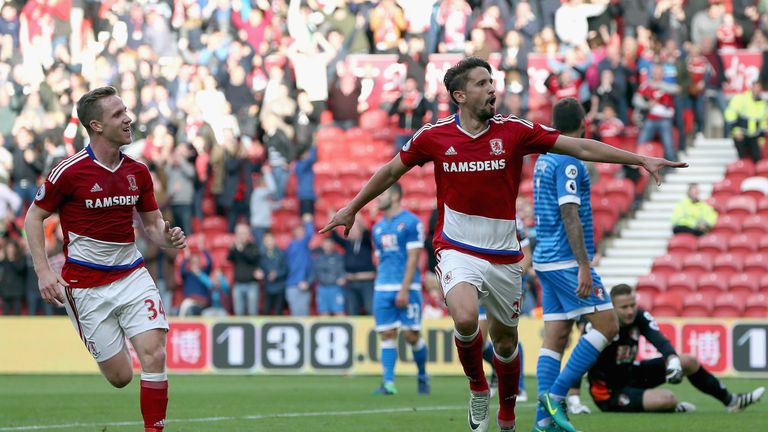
(657, 98)
(729, 33)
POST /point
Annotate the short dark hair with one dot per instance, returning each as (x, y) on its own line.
(621, 289)
(396, 188)
(568, 115)
(89, 108)
(456, 77)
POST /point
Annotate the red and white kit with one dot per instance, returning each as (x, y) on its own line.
(109, 288)
(477, 179)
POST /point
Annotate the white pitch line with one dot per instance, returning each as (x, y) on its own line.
(248, 417)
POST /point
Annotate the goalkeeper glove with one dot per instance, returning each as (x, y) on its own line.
(674, 370)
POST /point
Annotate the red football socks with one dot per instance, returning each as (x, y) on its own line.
(509, 381)
(154, 401)
(471, 357)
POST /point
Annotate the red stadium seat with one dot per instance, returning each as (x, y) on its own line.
(718, 203)
(222, 241)
(762, 284)
(666, 265)
(712, 284)
(727, 264)
(604, 205)
(644, 300)
(728, 225)
(374, 119)
(697, 264)
(607, 170)
(756, 265)
(667, 305)
(728, 305)
(741, 205)
(357, 135)
(756, 306)
(651, 284)
(761, 169)
(696, 305)
(621, 192)
(329, 134)
(756, 187)
(713, 244)
(743, 283)
(762, 206)
(725, 188)
(682, 244)
(743, 244)
(762, 244)
(682, 283)
(741, 168)
(215, 224)
(755, 226)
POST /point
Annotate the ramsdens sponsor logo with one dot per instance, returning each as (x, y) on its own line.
(129, 200)
(474, 166)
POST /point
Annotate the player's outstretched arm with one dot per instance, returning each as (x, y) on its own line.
(160, 231)
(385, 177)
(48, 281)
(595, 151)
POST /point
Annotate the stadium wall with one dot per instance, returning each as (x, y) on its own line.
(345, 346)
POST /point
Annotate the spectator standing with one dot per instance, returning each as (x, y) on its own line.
(706, 22)
(361, 272)
(261, 205)
(180, 174)
(300, 273)
(329, 268)
(305, 176)
(658, 98)
(244, 255)
(13, 266)
(387, 23)
(692, 215)
(238, 183)
(747, 116)
(344, 98)
(410, 108)
(279, 154)
(273, 270)
(27, 167)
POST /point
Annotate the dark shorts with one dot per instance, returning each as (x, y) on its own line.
(306, 206)
(645, 375)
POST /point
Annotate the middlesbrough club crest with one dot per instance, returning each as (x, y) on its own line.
(132, 183)
(497, 147)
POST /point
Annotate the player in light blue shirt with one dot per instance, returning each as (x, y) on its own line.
(562, 260)
(399, 240)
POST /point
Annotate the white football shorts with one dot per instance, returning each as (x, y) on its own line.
(104, 316)
(499, 286)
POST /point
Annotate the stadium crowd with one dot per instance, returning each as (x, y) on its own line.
(227, 98)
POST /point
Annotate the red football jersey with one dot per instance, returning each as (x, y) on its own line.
(95, 206)
(478, 177)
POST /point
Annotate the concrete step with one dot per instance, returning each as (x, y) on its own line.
(635, 253)
(625, 262)
(647, 224)
(611, 281)
(695, 178)
(626, 243)
(660, 206)
(622, 271)
(654, 233)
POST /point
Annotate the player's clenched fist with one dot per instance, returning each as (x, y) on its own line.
(49, 282)
(175, 236)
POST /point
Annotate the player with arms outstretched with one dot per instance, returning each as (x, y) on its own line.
(617, 383)
(107, 292)
(478, 160)
(569, 286)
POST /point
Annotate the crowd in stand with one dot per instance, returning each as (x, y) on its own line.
(227, 97)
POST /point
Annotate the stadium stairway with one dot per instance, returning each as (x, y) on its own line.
(646, 234)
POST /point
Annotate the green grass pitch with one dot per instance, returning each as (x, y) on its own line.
(316, 403)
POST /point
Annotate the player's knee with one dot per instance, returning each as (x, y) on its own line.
(121, 378)
(466, 323)
(388, 334)
(506, 346)
(690, 364)
(669, 400)
(153, 360)
(411, 336)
